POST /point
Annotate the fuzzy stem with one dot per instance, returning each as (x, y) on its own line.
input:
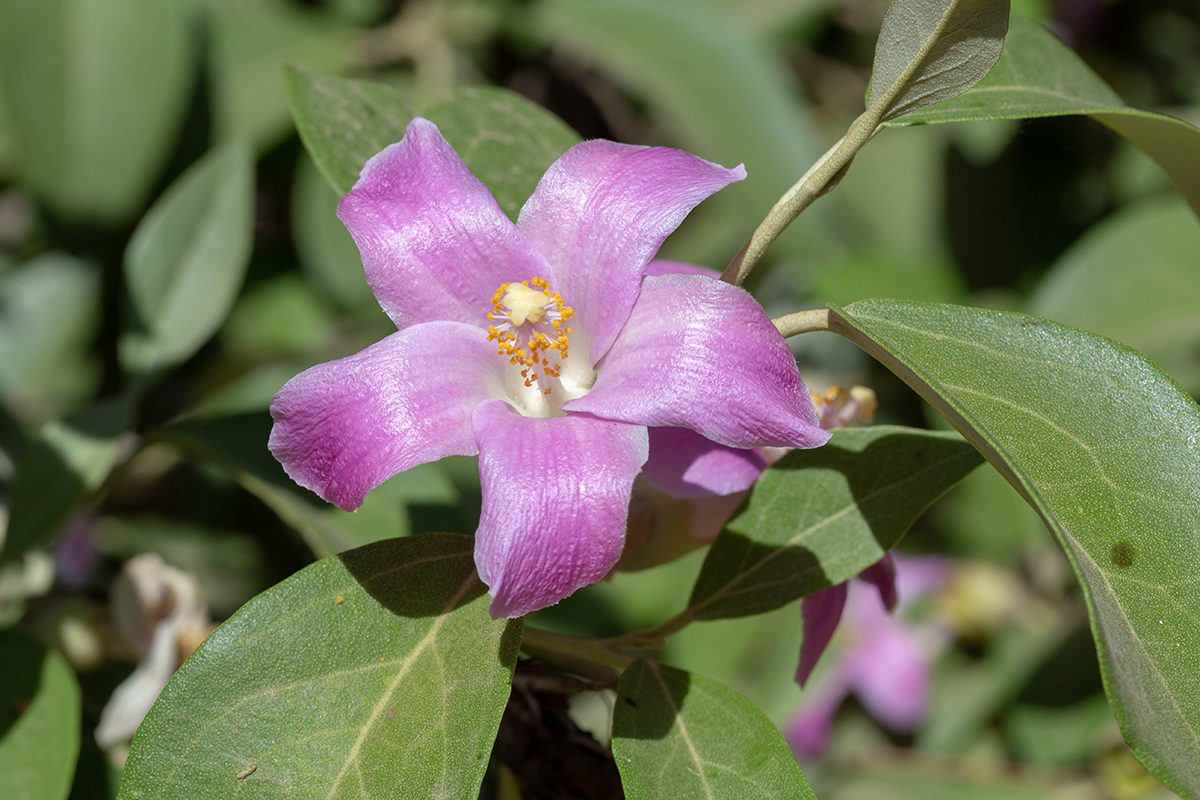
(816, 319)
(583, 656)
(820, 178)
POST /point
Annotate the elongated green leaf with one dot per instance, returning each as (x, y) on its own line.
(819, 517)
(327, 253)
(95, 91)
(1039, 76)
(252, 41)
(68, 459)
(1106, 448)
(187, 258)
(932, 50)
(377, 673)
(506, 140)
(1153, 307)
(39, 721)
(677, 735)
(45, 366)
(721, 92)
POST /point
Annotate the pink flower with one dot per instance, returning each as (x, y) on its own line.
(886, 661)
(542, 347)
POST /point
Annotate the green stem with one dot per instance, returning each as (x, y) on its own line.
(589, 657)
(820, 178)
(651, 638)
(816, 319)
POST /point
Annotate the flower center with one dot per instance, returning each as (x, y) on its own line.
(529, 328)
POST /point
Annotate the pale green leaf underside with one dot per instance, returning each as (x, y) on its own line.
(506, 140)
(933, 50)
(1107, 449)
(819, 517)
(677, 735)
(95, 91)
(1039, 76)
(374, 674)
(39, 721)
(187, 258)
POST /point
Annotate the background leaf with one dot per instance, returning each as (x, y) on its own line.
(819, 517)
(672, 739)
(252, 41)
(187, 258)
(1106, 448)
(1134, 278)
(68, 459)
(1039, 76)
(377, 673)
(45, 366)
(506, 140)
(932, 50)
(327, 253)
(94, 90)
(39, 720)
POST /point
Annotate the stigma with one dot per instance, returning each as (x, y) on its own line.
(529, 328)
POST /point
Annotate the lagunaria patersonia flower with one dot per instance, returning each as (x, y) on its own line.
(544, 348)
(885, 659)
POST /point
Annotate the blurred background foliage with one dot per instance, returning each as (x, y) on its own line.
(169, 257)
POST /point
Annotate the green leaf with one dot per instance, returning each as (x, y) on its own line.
(506, 140)
(681, 735)
(820, 517)
(932, 50)
(719, 91)
(69, 459)
(95, 91)
(252, 41)
(1039, 76)
(328, 255)
(1105, 447)
(1151, 308)
(39, 720)
(187, 258)
(377, 673)
(49, 314)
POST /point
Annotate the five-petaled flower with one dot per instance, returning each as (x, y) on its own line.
(545, 348)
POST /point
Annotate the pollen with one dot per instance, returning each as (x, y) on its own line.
(530, 329)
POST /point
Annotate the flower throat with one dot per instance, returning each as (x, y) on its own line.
(530, 329)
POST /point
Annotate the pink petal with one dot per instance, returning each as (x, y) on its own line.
(821, 612)
(684, 464)
(434, 243)
(890, 673)
(599, 215)
(701, 354)
(555, 500)
(882, 575)
(807, 732)
(344, 427)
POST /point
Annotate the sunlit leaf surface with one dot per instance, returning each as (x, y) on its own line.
(819, 517)
(377, 673)
(678, 735)
(1107, 449)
